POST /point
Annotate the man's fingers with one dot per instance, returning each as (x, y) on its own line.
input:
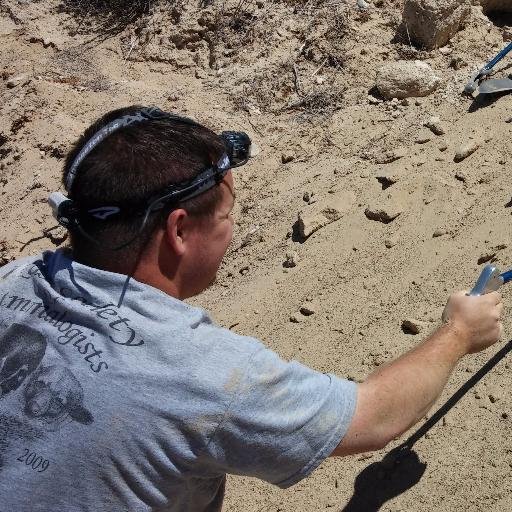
(495, 297)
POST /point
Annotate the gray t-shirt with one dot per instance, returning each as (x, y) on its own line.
(117, 397)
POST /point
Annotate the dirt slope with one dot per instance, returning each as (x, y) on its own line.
(297, 79)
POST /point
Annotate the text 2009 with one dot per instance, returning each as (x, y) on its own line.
(36, 462)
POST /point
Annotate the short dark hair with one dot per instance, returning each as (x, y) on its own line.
(128, 167)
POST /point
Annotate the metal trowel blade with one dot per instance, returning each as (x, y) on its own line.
(495, 85)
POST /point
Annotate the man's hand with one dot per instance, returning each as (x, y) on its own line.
(475, 320)
(396, 396)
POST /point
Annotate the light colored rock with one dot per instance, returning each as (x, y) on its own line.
(435, 126)
(432, 23)
(17, 81)
(385, 212)
(439, 232)
(254, 151)
(404, 79)
(466, 150)
(296, 318)
(363, 5)
(324, 212)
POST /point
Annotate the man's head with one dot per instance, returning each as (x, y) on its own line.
(183, 242)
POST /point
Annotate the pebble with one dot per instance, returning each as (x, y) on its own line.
(308, 309)
(439, 232)
(383, 213)
(391, 241)
(486, 257)
(443, 146)
(57, 236)
(19, 80)
(287, 157)
(466, 150)
(422, 139)
(412, 326)
(292, 259)
(322, 214)
(363, 5)
(435, 126)
(254, 150)
(296, 318)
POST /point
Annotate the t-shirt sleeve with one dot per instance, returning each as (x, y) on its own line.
(283, 420)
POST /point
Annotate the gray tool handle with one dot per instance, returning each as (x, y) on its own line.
(490, 280)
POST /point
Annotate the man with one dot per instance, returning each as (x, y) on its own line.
(174, 402)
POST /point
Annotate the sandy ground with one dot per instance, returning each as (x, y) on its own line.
(296, 78)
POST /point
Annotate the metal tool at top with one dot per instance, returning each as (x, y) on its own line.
(490, 280)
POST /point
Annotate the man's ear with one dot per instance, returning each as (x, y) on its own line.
(175, 230)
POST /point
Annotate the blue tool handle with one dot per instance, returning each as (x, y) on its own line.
(489, 280)
(506, 276)
(485, 70)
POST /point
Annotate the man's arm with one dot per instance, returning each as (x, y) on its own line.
(396, 396)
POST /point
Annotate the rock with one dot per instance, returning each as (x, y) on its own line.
(466, 150)
(432, 23)
(383, 213)
(287, 157)
(404, 79)
(422, 139)
(443, 146)
(56, 236)
(439, 232)
(363, 5)
(324, 213)
(17, 81)
(296, 318)
(308, 197)
(372, 100)
(435, 126)
(292, 258)
(412, 326)
(308, 309)
(387, 180)
(460, 176)
(386, 157)
(254, 150)
(391, 241)
(486, 257)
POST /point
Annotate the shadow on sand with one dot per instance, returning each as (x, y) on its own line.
(396, 473)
